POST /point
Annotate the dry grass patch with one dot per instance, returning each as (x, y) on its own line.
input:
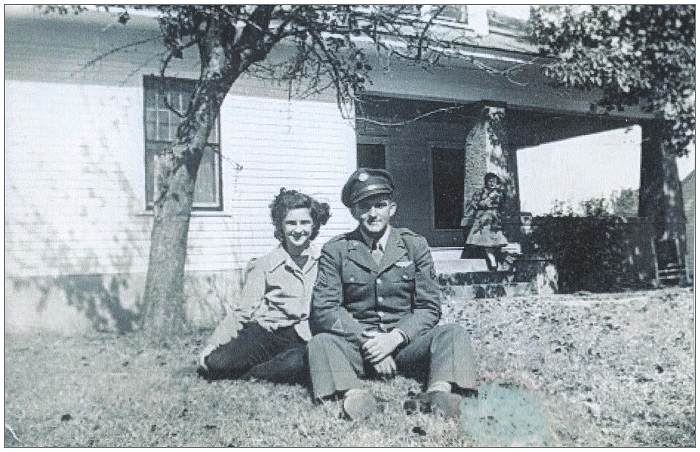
(595, 370)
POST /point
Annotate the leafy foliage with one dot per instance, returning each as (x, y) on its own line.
(637, 54)
(625, 202)
(589, 248)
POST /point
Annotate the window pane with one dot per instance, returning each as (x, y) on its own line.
(207, 180)
(454, 12)
(160, 100)
(175, 121)
(151, 153)
(150, 124)
(184, 101)
(371, 156)
(161, 128)
(448, 187)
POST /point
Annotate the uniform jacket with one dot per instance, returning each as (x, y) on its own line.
(276, 294)
(353, 294)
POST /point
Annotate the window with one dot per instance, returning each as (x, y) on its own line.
(371, 156)
(448, 187)
(449, 13)
(161, 127)
(456, 13)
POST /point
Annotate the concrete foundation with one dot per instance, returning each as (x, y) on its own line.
(75, 304)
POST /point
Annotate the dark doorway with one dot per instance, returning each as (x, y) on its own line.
(448, 187)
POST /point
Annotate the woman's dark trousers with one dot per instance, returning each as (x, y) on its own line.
(279, 356)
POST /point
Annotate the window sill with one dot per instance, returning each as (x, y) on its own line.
(195, 213)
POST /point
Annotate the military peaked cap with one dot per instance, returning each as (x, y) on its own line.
(366, 182)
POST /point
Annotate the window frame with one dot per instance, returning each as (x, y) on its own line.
(462, 20)
(180, 85)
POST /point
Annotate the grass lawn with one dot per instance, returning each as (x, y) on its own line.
(589, 370)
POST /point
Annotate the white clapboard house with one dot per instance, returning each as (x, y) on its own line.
(80, 140)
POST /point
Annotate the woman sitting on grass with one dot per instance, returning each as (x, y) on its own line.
(265, 338)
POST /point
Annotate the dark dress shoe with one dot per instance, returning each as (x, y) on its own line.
(446, 403)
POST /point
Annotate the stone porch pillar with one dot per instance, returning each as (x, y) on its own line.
(488, 148)
(660, 194)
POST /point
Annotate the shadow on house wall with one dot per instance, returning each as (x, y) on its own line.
(96, 298)
(71, 268)
(78, 256)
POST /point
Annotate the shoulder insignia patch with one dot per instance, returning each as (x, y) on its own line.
(406, 231)
(322, 279)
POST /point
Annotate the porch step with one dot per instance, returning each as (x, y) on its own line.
(470, 279)
(449, 266)
(485, 284)
(476, 291)
(671, 275)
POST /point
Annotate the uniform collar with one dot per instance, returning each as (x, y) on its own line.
(394, 249)
(382, 240)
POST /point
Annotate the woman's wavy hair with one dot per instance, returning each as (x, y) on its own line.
(489, 176)
(288, 200)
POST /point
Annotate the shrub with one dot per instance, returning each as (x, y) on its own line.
(590, 251)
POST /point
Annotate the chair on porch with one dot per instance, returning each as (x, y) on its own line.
(669, 262)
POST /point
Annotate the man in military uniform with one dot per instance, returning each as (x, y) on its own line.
(375, 307)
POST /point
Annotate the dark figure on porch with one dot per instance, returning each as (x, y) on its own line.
(266, 339)
(482, 220)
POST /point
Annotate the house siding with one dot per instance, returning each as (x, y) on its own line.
(75, 180)
(77, 232)
(75, 198)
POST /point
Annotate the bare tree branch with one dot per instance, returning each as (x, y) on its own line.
(138, 68)
(161, 86)
(427, 26)
(104, 55)
(412, 120)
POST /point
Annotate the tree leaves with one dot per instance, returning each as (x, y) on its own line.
(637, 54)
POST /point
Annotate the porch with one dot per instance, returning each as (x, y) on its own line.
(438, 153)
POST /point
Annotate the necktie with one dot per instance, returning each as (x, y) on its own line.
(377, 252)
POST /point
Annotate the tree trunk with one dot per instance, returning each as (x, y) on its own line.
(222, 62)
(164, 314)
(164, 308)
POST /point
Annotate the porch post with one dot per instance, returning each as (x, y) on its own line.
(488, 148)
(660, 195)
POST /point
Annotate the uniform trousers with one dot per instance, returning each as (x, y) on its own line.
(442, 353)
(278, 356)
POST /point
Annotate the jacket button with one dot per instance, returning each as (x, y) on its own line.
(352, 278)
(404, 276)
(380, 299)
(380, 314)
(379, 281)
